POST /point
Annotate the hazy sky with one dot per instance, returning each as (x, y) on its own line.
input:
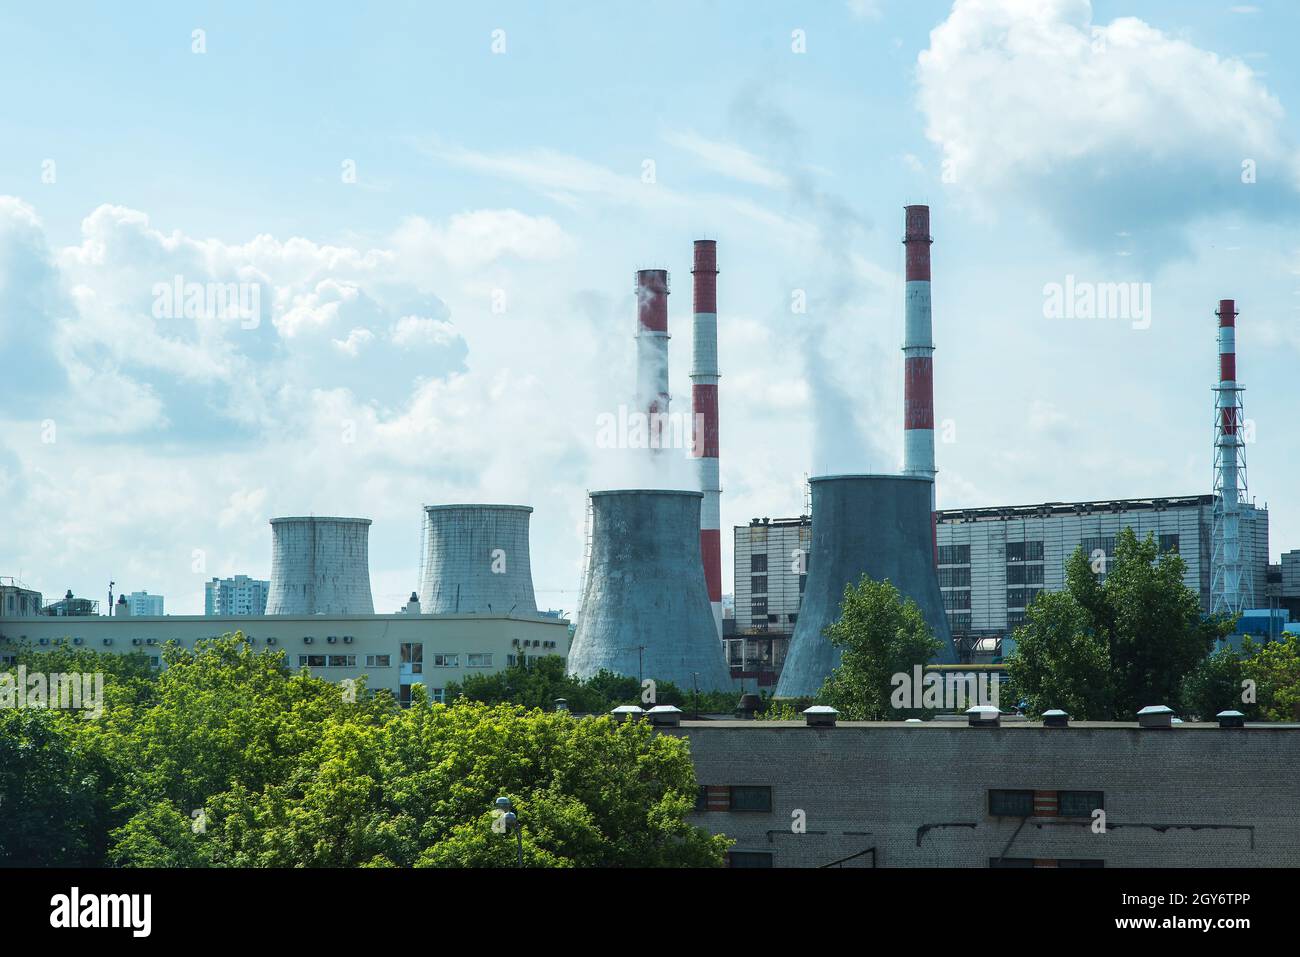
(441, 210)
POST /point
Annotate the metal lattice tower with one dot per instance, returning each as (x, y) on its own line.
(1231, 591)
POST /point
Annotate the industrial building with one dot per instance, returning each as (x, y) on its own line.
(1014, 794)
(993, 561)
(771, 571)
(235, 597)
(393, 652)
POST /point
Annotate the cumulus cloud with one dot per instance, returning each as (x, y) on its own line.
(1101, 127)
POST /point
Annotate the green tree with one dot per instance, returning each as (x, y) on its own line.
(1104, 648)
(880, 634)
(1215, 685)
(1274, 667)
(1059, 661)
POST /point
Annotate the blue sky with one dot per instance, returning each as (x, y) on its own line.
(1102, 141)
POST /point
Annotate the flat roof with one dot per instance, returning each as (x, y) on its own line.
(1045, 509)
(950, 725)
(239, 619)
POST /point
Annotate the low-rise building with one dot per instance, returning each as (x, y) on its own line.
(394, 652)
(945, 794)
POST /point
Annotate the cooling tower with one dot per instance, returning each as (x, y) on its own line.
(645, 607)
(476, 560)
(320, 566)
(878, 525)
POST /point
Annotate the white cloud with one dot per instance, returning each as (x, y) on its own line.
(729, 159)
(471, 240)
(1032, 102)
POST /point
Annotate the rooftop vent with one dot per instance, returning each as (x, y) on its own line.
(1156, 716)
(1056, 718)
(561, 704)
(749, 703)
(665, 715)
(984, 716)
(625, 711)
(1231, 719)
(820, 716)
(913, 721)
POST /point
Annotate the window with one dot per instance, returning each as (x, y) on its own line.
(956, 599)
(311, 661)
(446, 661)
(1011, 862)
(1011, 803)
(702, 797)
(378, 661)
(746, 797)
(959, 621)
(412, 656)
(1168, 543)
(1021, 597)
(1079, 803)
(749, 859)
(758, 607)
(954, 577)
(1015, 619)
(478, 661)
(758, 583)
(954, 554)
(438, 695)
(1024, 574)
(758, 564)
(1024, 552)
(343, 661)
(803, 581)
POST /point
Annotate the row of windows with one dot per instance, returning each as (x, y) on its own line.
(1024, 552)
(1032, 551)
(1024, 574)
(954, 554)
(1078, 804)
(954, 577)
(737, 797)
(1021, 597)
(956, 599)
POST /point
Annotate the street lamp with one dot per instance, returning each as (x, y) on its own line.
(511, 821)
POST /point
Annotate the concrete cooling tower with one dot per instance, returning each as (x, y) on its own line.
(476, 560)
(320, 566)
(645, 606)
(878, 525)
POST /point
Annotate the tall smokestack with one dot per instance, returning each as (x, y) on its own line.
(1230, 590)
(704, 404)
(652, 349)
(918, 350)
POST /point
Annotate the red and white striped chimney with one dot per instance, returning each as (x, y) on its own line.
(652, 350)
(918, 350)
(704, 402)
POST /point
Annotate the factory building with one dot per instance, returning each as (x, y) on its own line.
(235, 597)
(993, 561)
(1016, 794)
(771, 571)
(393, 652)
(1284, 584)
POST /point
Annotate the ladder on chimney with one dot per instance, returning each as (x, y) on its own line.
(586, 553)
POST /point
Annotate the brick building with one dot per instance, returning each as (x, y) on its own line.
(942, 794)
